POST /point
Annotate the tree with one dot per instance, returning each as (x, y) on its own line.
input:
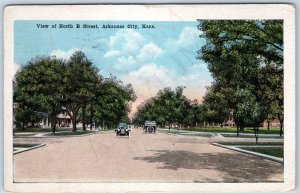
(263, 38)
(48, 84)
(240, 55)
(80, 80)
(271, 94)
(248, 111)
(168, 107)
(215, 105)
(112, 101)
(39, 86)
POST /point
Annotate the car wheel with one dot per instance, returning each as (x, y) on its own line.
(151, 130)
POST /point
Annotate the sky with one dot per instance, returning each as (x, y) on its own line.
(148, 58)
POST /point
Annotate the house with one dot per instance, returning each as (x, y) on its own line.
(63, 118)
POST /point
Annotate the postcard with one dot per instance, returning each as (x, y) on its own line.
(164, 98)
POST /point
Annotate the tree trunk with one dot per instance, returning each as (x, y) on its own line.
(91, 120)
(53, 124)
(83, 118)
(256, 129)
(268, 125)
(74, 123)
(73, 116)
(242, 128)
(281, 127)
(237, 130)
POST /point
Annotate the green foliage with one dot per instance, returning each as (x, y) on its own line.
(48, 84)
(81, 79)
(248, 111)
(169, 107)
(112, 104)
(244, 55)
(38, 87)
(215, 106)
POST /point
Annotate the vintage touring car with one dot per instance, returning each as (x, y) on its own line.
(150, 127)
(123, 130)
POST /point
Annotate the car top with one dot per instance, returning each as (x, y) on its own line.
(123, 124)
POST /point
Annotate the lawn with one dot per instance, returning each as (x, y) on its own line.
(273, 151)
(70, 133)
(25, 145)
(251, 143)
(24, 134)
(39, 129)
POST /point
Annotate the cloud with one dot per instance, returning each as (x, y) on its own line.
(188, 36)
(128, 39)
(159, 76)
(111, 53)
(124, 62)
(151, 74)
(63, 54)
(149, 50)
(151, 77)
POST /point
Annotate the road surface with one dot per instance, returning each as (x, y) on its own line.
(102, 157)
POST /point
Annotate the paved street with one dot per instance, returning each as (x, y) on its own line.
(143, 157)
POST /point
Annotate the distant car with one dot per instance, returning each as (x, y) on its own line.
(150, 127)
(123, 130)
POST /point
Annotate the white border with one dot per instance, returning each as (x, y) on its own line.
(154, 13)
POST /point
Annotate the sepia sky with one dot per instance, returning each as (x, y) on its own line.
(150, 59)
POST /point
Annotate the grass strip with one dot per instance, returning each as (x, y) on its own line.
(273, 151)
(24, 134)
(38, 129)
(25, 145)
(70, 133)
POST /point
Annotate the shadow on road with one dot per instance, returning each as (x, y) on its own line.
(235, 166)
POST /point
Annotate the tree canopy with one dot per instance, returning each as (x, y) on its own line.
(245, 58)
(169, 107)
(49, 84)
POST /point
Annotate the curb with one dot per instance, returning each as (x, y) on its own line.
(31, 148)
(272, 158)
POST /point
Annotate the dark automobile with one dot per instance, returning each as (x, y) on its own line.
(150, 127)
(123, 130)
